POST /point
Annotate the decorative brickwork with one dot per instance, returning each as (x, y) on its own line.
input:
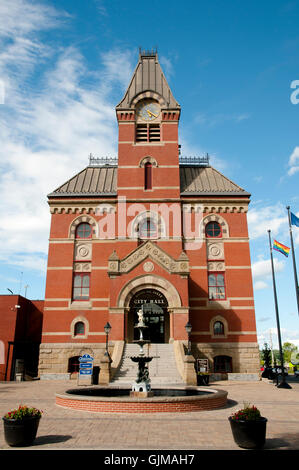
(215, 399)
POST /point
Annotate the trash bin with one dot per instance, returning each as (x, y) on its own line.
(203, 379)
(95, 375)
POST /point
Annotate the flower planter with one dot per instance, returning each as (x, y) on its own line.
(249, 434)
(20, 432)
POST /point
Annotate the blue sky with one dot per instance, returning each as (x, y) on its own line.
(64, 65)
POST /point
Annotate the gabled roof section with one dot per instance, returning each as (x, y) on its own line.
(92, 181)
(207, 181)
(148, 76)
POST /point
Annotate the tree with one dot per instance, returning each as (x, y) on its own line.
(266, 354)
(288, 350)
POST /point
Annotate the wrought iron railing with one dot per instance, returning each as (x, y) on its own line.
(195, 161)
(184, 161)
(102, 161)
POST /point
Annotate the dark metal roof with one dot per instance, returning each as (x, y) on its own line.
(206, 181)
(148, 76)
(92, 181)
(194, 181)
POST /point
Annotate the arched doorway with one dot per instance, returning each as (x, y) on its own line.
(223, 364)
(156, 316)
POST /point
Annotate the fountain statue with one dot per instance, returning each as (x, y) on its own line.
(142, 385)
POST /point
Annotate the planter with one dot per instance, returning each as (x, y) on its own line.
(20, 432)
(203, 379)
(249, 434)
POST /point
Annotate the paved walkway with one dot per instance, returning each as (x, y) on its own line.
(65, 429)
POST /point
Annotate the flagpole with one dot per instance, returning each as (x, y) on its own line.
(294, 261)
(283, 384)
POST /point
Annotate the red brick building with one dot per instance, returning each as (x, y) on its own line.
(151, 228)
(20, 336)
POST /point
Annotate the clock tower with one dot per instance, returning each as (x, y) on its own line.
(148, 117)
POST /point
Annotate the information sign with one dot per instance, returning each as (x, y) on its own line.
(86, 364)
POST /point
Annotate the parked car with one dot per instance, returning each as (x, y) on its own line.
(278, 370)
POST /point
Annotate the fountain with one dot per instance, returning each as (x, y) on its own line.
(141, 398)
(142, 386)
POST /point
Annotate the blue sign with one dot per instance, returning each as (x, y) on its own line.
(86, 365)
(85, 358)
(85, 371)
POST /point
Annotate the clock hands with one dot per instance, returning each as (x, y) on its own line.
(150, 113)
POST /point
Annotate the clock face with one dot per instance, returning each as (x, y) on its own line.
(148, 110)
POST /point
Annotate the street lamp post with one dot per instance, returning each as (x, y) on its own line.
(188, 328)
(107, 329)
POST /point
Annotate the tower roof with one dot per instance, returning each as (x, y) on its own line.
(148, 77)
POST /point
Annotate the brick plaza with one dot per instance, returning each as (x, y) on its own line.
(65, 429)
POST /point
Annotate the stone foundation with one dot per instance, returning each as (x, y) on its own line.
(245, 358)
(54, 358)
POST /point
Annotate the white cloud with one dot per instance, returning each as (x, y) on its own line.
(294, 162)
(220, 118)
(259, 285)
(262, 268)
(287, 336)
(167, 66)
(50, 127)
(262, 272)
(263, 218)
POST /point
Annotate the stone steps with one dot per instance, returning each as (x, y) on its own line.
(162, 369)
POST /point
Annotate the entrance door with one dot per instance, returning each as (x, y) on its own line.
(156, 316)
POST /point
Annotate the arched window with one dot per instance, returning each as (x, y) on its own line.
(213, 230)
(83, 230)
(147, 229)
(216, 286)
(73, 364)
(148, 176)
(79, 328)
(218, 328)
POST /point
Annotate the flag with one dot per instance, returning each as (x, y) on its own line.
(294, 220)
(281, 248)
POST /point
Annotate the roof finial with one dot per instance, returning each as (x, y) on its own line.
(148, 53)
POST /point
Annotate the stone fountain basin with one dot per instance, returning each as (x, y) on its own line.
(166, 399)
(141, 358)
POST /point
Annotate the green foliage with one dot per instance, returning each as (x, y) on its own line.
(23, 412)
(248, 413)
(266, 354)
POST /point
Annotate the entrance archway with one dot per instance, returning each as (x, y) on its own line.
(156, 316)
(177, 315)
